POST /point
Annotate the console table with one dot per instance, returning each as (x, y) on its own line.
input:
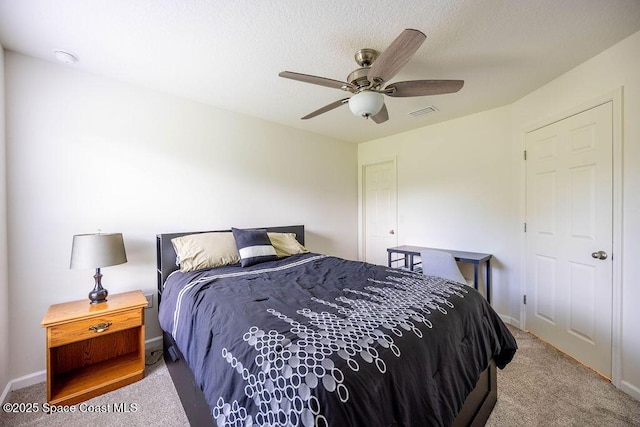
(409, 252)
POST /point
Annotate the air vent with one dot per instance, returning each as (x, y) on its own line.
(423, 111)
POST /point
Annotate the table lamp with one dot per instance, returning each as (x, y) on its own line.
(96, 251)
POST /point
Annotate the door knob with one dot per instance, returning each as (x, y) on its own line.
(392, 232)
(599, 255)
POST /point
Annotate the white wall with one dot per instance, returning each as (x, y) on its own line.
(617, 67)
(4, 278)
(84, 152)
(458, 189)
(460, 183)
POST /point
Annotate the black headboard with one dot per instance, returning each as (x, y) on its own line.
(166, 255)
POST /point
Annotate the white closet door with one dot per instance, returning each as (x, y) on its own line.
(570, 235)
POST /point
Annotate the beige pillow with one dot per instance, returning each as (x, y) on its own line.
(205, 250)
(286, 244)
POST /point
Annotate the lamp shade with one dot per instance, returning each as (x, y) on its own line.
(366, 103)
(97, 250)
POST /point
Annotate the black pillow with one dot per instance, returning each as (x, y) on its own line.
(254, 246)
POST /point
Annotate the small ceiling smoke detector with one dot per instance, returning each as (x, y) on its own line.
(65, 57)
(423, 111)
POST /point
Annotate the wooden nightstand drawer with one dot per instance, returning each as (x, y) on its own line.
(80, 330)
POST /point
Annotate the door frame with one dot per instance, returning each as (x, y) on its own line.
(362, 229)
(616, 98)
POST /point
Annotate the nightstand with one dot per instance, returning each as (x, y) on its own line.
(94, 348)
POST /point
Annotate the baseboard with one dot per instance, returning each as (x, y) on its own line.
(630, 389)
(24, 381)
(5, 393)
(153, 343)
(510, 320)
(41, 376)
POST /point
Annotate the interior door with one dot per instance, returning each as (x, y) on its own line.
(380, 212)
(569, 236)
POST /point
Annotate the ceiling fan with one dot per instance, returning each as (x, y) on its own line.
(366, 83)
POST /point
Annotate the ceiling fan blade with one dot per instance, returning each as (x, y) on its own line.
(382, 116)
(423, 87)
(326, 108)
(307, 78)
(396, 55)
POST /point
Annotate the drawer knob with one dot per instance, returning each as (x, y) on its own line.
(100, 327)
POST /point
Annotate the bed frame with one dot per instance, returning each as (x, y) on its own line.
(475, 411)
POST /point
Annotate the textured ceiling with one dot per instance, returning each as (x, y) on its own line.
(228, 53)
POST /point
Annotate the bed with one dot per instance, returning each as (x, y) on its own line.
(314, 340)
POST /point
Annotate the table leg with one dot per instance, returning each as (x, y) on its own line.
(475, 275)
(388, 258)
(489, 281)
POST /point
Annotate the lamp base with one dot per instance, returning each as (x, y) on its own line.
(98, 294)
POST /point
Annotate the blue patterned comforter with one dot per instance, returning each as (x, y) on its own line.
(318, 340)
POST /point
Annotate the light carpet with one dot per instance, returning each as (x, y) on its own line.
(544, 387)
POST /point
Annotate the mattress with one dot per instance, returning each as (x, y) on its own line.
(318, 340)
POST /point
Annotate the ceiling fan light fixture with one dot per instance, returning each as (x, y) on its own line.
(366, 103)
